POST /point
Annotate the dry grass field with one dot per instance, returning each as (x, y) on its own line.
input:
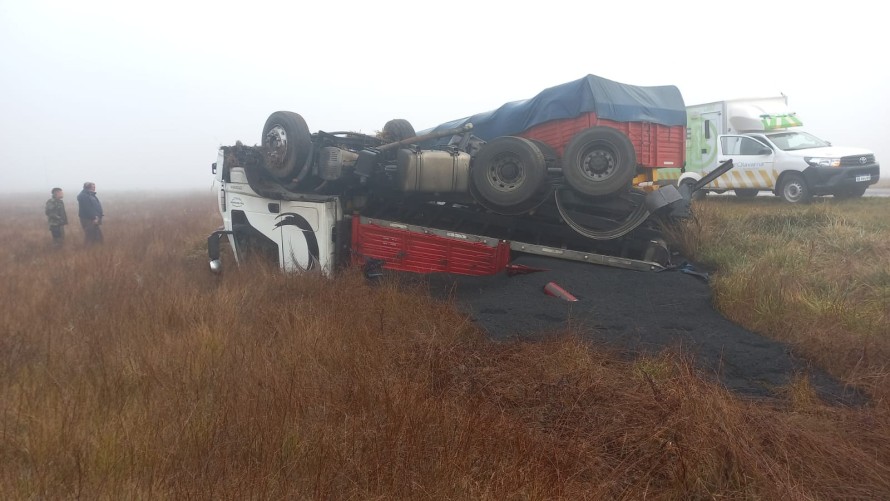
(816, 276)
(128, 371)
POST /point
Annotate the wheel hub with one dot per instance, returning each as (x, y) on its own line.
(276, 140)
(598, 165)
(506, 174)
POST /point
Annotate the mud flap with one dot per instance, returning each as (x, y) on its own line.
(213, 249)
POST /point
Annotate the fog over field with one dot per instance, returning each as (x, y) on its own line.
(139, 96)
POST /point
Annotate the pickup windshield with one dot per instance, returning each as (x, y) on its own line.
(790, 141)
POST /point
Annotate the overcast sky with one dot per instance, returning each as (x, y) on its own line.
(140, 95)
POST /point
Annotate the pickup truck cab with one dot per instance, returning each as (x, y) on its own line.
(770, 152)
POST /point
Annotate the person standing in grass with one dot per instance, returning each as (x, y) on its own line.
(56, 216)
(90, 212)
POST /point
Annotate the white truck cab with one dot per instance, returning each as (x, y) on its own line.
(770, 152)
(296, 231)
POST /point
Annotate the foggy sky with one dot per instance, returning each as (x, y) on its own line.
(141, 96)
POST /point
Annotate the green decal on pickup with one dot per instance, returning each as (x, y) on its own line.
(771, 122)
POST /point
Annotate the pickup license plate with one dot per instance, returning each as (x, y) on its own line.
(866, 177)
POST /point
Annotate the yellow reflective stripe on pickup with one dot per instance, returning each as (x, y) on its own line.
(761, 178)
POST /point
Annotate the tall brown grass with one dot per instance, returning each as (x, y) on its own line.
(129, 371)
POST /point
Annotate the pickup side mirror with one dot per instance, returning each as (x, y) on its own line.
(765, 151)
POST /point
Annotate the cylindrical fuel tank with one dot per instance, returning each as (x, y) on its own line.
(433, 171)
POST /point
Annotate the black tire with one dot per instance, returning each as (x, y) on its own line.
(746, 193)
(549, 152)
(396, 130)
(851, 192)
(794, 189)
(508, 171)
(599, 161)
(287, 143)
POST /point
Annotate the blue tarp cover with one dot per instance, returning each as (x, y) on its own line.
(608, 99)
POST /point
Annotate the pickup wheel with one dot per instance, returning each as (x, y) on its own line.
(287, 144)
(795, 190)
(508, 171)
(696, 195)
(599, 161)
(851, 192)
(746, 193)
(396, 130)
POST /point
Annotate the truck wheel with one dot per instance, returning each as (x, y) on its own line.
(746, 193)
(396, 130)
(599, 161)
(508, 171)
(287, 142)
(851, 192)
(795, 190)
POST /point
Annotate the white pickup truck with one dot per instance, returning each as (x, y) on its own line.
(770, 152)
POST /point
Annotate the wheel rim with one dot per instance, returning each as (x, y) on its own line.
(276, 140)
(598, 163)
(506, 173)
(793, 191)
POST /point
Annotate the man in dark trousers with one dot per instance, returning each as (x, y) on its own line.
(90, 212)
(56, 216)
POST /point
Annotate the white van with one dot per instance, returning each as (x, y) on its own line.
(770, 152)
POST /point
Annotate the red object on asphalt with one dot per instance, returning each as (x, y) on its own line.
(551, 289)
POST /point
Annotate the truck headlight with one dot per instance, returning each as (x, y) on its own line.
(823, 161)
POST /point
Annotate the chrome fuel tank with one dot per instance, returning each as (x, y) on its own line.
(433, 171)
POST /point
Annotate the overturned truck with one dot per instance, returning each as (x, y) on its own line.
(567, 173)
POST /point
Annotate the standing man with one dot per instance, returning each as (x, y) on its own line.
(90, 212)
(56, 216)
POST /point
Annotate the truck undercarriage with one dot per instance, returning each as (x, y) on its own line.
(624, 230)
(450, 200)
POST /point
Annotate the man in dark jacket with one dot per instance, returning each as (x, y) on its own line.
(90, 212)
(56, 216)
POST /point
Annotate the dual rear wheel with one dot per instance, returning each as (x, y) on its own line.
(507, 173)
(510, 173)
(599, 161)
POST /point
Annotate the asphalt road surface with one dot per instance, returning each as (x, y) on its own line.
(635, 312)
